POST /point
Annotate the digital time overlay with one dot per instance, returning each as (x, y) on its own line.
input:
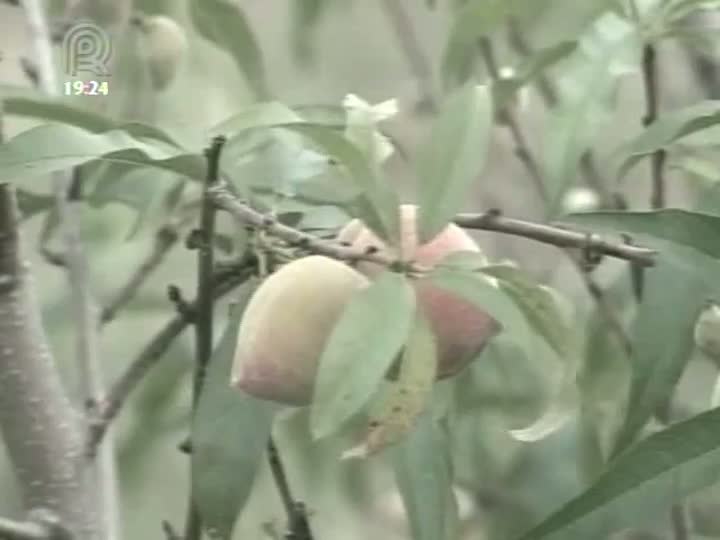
(87, 51)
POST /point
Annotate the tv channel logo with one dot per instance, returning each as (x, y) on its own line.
(87, 48)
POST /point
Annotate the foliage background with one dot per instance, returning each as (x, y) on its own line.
(352, 49)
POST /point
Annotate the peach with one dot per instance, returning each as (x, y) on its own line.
(461, 329)
(286, 325)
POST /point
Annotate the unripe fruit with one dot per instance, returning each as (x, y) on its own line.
(461, 329)
(286, 325)
(165, 44)
(707, 332)
(580, 199)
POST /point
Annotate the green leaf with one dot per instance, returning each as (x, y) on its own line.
(472, 21)
(230, 431)
(224, 23)
(607, 51)
(662, 336)
(423, 473)
(257, 115)
(539, 306)
(360, 350)
(694, 230)
(379, 201)
(47, 148)
(525, 73)
(488, 296)
(453, 157)
(401, 402)
(57, 111)
(671, 126)
(544, 316)
(641, 483)
(604, 379)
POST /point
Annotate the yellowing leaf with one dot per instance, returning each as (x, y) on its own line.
(401, 402)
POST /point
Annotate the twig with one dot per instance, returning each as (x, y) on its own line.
(225, 200)
(488, 221)
(412, 49)
(556, 236)
(204, 305)
(165, 238)
(652, 91)
(298, 524)
(150, 355)
(522, 148)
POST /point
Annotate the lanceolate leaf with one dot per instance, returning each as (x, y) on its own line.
(642, 483)
(423, 473)
(230, 431)
(257, 115)
(360, 350)
(453, 157)
(223, 22)
(52, 147)
(539, 306)
(401, 402)
(57, 111)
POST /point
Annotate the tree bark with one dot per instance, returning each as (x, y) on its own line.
(42, 431)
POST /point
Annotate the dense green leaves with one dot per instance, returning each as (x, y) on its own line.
(423, 473)
(360, 350)
(662, 333)
(453, 157)
(642, 483)
(381, 201)
(52, 147)
(224, 23)
(230, 431)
